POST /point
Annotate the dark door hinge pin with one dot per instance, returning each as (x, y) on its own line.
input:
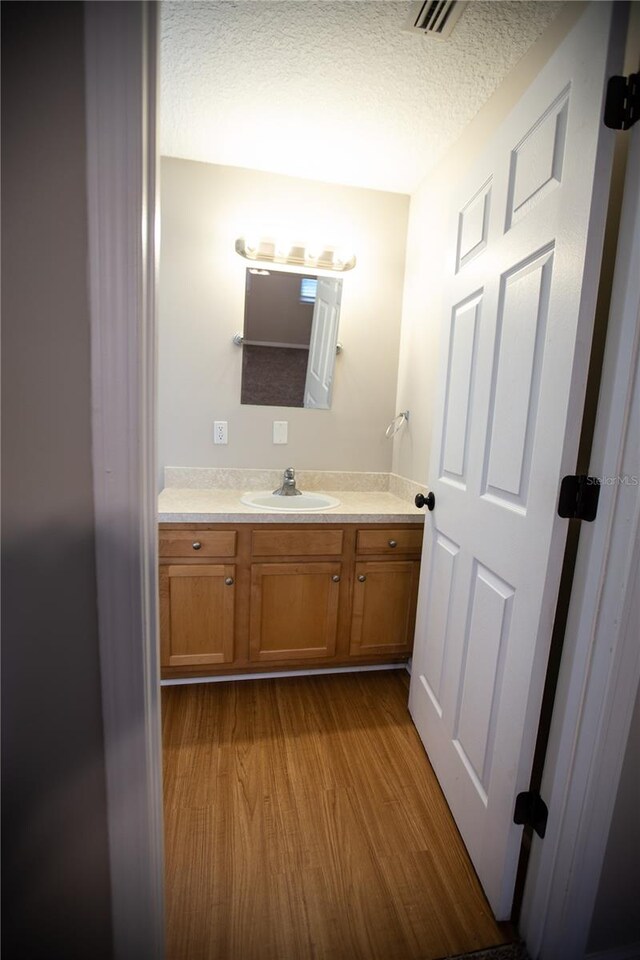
(578, 498)
(622, 102)
(531, 810)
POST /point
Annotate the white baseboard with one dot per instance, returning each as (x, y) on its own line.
(630, 952)
(319, 671)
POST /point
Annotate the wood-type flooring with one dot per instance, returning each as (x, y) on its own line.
(304, 822)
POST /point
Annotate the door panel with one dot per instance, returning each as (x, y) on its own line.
(523, 255)
(438, 599)
(473, 225)
(485, 642)
(537, 161)
(520, 343)
(461, 366)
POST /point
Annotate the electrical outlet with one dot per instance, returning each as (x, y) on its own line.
(280, 431)
(220, 431)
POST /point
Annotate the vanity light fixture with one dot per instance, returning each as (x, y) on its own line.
(314, 255)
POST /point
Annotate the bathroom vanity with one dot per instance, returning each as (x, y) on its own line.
(256, 591)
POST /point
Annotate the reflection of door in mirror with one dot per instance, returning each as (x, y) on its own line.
(289, 340)
(324, 337)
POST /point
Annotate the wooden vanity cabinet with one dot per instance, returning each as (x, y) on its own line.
(385, 591)
(385, 594)
(197, 613)
(264, 596)
(295, 595)
(294, 610)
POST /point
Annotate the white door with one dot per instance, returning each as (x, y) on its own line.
(322, 348)
(523, 262)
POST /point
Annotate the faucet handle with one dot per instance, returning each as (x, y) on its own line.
(289, 473)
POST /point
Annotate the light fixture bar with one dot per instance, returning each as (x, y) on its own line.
(297, 254)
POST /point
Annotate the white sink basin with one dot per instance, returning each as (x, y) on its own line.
(304, 503)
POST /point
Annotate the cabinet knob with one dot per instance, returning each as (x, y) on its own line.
(362, 578)
(393, 543)
(196, 545)
(336, 578)
(229, 581)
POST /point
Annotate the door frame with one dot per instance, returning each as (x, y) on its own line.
(600, 669)
(120, 83)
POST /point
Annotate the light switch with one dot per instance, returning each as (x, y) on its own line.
(280, 431)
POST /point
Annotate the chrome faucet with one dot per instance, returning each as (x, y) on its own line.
(288, 488)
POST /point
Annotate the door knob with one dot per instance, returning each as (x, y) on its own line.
(196, 545)
(229, 581)
(362, 578)
(429, 501)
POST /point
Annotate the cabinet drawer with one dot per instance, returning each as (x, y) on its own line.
(389, 541)
(296, 543)
(197, 543)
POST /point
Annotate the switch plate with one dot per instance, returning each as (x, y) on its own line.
(280, 431)
(220, 431)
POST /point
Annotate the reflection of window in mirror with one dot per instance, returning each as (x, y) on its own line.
(290, 337)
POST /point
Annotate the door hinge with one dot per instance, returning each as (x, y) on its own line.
(531, 810)
(579, 497)
(622, 102)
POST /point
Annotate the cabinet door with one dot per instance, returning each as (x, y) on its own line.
(384, 606)
(196, 614)
(294, 610)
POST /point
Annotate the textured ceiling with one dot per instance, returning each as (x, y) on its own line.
(331, 90)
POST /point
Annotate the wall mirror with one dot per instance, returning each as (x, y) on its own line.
(290, 338)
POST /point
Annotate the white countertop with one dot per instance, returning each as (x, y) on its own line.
(188, 505)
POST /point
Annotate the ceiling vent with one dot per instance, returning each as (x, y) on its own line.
(435, 18)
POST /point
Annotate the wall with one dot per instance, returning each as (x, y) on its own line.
(201, 306)
(55, 865)
(420, 337)
(429, 221)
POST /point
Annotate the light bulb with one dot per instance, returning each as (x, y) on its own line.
(341, 256)
(313, 250)
(283, 248)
